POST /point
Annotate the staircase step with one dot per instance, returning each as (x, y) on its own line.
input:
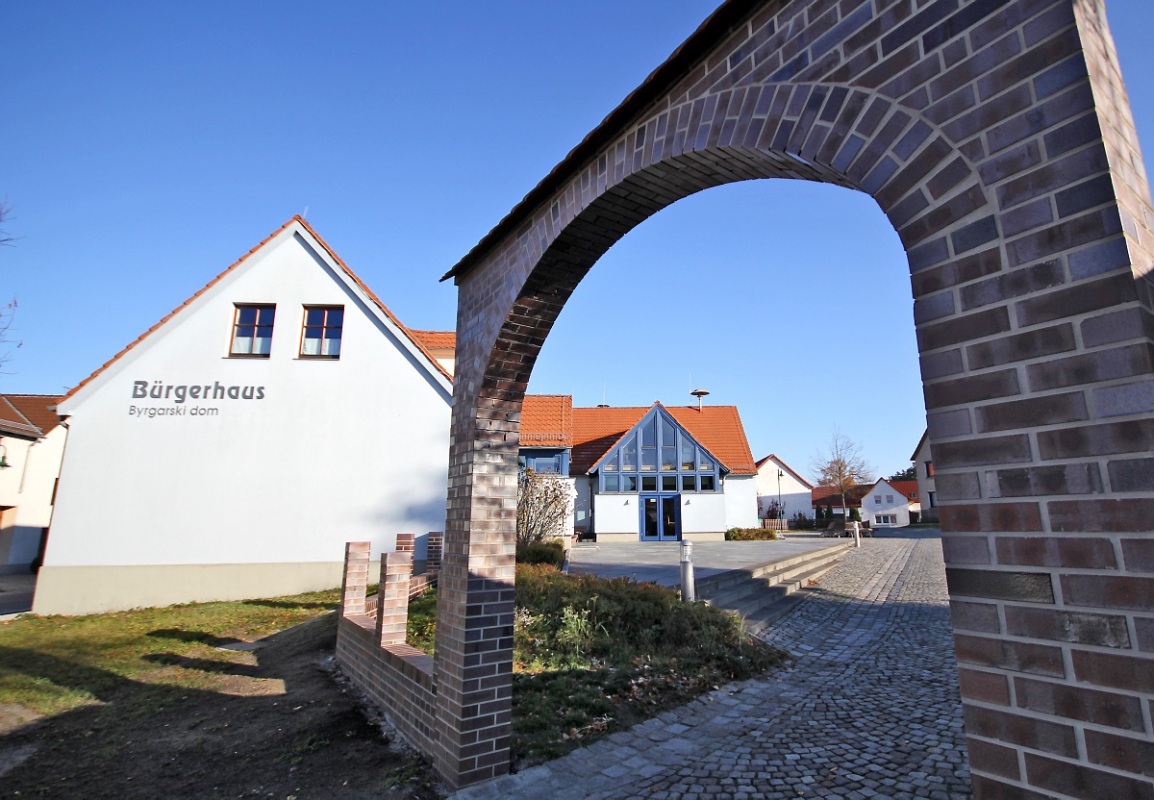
(764, 594)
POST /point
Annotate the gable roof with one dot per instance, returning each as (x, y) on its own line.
(297, 224)
(435, 340)
(772, 457)
(716, 428)
(28, 414)
(921, 441)
(830, 496)
(907, 488)
(547, 420)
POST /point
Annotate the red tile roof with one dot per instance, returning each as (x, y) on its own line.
(787, 467)
(716, 428)
(547, 420)
(332, 253)
(830, 496)
(28, 414)
(435, 340)
(908, 488)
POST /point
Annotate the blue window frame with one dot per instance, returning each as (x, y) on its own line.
(658, 455)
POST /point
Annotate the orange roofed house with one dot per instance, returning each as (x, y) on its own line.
(657, 473)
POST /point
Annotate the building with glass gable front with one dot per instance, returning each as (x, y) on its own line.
(662, 473)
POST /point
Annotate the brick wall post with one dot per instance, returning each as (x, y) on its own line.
(356, 578)
(393, 594)
(435, 549)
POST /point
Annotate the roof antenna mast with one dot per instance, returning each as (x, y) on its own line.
(699, 393)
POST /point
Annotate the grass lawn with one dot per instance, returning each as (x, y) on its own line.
(591, 656)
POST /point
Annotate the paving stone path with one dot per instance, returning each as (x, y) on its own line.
(868, 708)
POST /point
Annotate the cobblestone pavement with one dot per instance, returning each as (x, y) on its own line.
(868, 708)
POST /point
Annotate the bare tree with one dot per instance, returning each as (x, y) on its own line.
(544, 503)
(842, 466)
(7, 311)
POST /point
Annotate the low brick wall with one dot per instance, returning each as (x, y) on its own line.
(371, 650)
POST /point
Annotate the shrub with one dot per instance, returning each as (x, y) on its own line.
(749, 534)
(550, 552)
(854, 515)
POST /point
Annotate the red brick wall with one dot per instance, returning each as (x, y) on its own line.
(996, 137)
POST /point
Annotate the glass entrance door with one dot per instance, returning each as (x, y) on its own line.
(660, 517)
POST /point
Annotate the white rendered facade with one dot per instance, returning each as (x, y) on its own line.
(796, 492)
(27, 485)
(923, 459)
(193, 473)
(885, 507)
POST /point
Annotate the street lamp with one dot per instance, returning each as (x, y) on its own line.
(780, 510)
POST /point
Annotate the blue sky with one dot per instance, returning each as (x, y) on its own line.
(146, 146)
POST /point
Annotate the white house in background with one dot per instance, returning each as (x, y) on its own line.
(233, 448)
(650, 474)
(888, 504)
(31, 446)
(778, 480)
(923, 460)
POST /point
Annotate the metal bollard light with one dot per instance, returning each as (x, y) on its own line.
(688, 590)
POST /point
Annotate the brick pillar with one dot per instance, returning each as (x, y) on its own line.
(393, 594)
(474, 646)
(356, 579)
(434, 552)
(406, 543)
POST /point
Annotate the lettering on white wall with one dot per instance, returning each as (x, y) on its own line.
(178, 395)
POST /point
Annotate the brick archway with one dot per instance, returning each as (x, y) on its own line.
(996, 137)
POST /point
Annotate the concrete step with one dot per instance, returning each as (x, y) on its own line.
(763, 593)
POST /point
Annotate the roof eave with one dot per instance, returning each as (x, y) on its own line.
(673, 69)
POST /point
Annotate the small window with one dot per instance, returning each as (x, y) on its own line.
(612, 483)
(929, 469)
(669, 483)
(689, 483)
(321, 337)
(889, 498)
(877, 499)
(707, 483)
(649, 483)
(252, 331)
(629, 483)
(933, 499)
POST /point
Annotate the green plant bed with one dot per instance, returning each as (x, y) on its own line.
(592, 656)
(750, 534)
(550, 552)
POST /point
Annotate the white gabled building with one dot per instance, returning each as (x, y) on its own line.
(31, 446)
(233, 449)
(923, 459)
(778, 481)
(649, 474)
(888, 504)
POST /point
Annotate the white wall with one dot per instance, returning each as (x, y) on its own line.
(325, 452)
(27, 485)
(795, 494)
(927, 488)
(701, 513)
(740, 502)
(885, 499)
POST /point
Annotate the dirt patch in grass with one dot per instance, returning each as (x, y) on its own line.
(270, 722)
